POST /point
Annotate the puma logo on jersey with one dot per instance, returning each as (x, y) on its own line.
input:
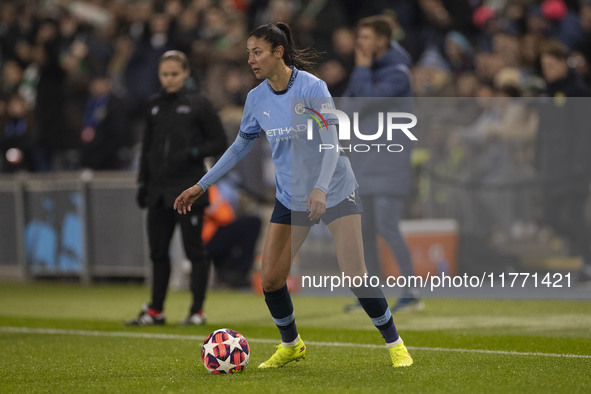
(268, 113)
(351, 197)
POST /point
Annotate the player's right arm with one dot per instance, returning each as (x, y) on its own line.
(249, 131)
(236, 152)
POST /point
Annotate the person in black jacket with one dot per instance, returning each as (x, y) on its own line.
(182, 128)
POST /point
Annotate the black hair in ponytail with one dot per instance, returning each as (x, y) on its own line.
(280, 34)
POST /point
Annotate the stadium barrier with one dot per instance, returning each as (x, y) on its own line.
(71, 224)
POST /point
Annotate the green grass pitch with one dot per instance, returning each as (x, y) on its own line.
(65, 338)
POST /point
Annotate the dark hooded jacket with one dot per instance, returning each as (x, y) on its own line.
(386, 87)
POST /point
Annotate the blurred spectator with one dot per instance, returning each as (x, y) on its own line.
(458, 52)
(336, 70)
(188, 28)
(465, 110)
(529, 51)
(343, 43)
(509, 77)
(488, 64)
(530, 65)
(432, 75)
(74, 60)
(105, 138)
(9, 29)
(12, 75)
(584, 46)
(335, 75)
(466, 85)
(234, 87)
(17, 130)
(563, 23)
(381, 66)
(23, 51)
(580, 65)
(436, 14)
(561, 80)
(142, 68)
(497, 149)
(486, 20)
(122, 52)
(271, 11)
(136, 18)
(100, 47)
(507, 47)
(562, 158)
(49, 104)
(382, 71)
(316, 22)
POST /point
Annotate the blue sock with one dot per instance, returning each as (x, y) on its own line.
(281, 308)
(379, 313)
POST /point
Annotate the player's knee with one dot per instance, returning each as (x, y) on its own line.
(272, 284)
(355, 268)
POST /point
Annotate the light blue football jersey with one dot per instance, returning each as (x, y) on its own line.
(283, 118)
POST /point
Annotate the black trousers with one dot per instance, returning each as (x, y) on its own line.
(161, 224)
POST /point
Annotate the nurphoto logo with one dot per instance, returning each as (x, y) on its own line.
(394, 122)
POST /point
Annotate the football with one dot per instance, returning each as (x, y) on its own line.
(225, 351)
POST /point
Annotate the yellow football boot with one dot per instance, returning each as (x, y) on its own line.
(400, 356)
(284, 355)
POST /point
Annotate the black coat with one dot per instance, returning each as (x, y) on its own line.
(181, 130)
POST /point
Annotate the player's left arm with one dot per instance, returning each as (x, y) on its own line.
(316, 204)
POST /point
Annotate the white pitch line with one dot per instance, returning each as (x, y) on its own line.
(120, 334)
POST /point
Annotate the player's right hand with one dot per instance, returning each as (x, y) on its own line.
(183, 202)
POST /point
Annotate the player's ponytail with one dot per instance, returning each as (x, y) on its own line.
(280, 34)
(288, 38)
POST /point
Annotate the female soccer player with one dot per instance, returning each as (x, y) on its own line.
(311, 185)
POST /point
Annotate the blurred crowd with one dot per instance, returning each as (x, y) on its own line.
(76, 74)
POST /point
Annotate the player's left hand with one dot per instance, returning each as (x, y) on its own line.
(316, 204)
